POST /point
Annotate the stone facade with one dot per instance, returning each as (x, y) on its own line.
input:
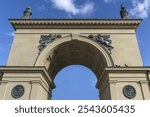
(35, 70)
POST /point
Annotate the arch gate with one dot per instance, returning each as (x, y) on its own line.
(41, 48)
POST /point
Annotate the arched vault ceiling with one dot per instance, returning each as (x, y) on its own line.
(76, 53)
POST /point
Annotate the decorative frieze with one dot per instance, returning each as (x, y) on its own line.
(46, 39)
(102, 39)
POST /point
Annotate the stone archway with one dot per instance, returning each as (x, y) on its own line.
(34, 73)
(78, 51)
(66, 51)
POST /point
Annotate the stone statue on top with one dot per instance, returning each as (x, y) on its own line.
(124, 13)
(27, 14)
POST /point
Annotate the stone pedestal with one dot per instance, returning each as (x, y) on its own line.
(35, 80)
(114, 80)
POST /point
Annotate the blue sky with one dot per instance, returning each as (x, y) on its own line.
(71, 78)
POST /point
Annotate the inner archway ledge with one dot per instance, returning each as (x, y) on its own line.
(66, 51)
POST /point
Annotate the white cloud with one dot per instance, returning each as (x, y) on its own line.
(70, 7)
(140, 9)
(11, 34)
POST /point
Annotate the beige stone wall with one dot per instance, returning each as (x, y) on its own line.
(24, 50)
(34, 87)
(126, 50)
(118, 78)
(37, 85)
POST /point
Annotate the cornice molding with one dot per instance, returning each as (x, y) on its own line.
(136, 69)
(75, 23)
(123, 70)
(27, 69)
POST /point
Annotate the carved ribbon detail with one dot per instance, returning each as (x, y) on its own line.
(46, 39)
(103, 39)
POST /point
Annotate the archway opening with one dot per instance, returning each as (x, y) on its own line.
(75, 82)
(75, 53)
(65, 52)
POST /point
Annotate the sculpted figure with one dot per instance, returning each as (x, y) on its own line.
(27, 14)
(103, 39)
(124, 13)
(46, 39)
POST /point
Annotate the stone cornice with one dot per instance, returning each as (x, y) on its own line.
(123, 70)
(137, 69)
(75, 23)
(27, 69)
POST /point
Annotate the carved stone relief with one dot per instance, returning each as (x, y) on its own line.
(46, 39)
(102, 39)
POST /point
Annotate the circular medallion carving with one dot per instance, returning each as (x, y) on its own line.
(129, 91)
(17, 91)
